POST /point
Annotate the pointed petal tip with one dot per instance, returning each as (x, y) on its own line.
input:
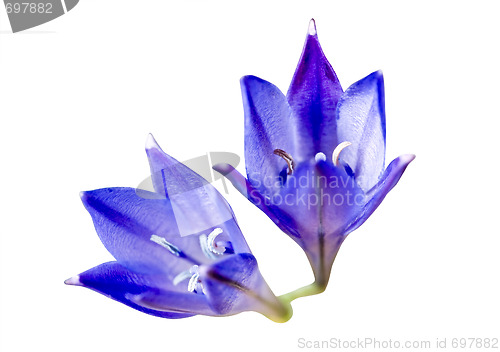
(151, 142)
(84, 196)
(375, 77)
(245, 79)
(248, 80)
(75, 281)
(407, 158)
(312, 27)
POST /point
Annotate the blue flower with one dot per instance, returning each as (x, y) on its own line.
(179, 251)
(315, 158)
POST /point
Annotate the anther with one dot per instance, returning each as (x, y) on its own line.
(208, 245)
(336, 152)
(320, 157)
(193, 281)
(194, 278)
(287, 157)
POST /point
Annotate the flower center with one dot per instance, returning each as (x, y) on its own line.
(287, 157)
(336, 152)
(211, 248)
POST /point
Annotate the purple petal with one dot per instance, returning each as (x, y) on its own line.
(341, 198)
(126, 221)
(223, 282)
(322, 200)
(234, 284)
(114, 281)
(361, 121)
(313, 96)
(231, 285)
(181, 178)
(315, 206)
(196, 204)
(267, 127)
(377, 194)
(319, 199)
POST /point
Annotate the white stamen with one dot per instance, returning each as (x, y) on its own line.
(165, 244)
(192, 274)
(336, 152)
(193, 269)
(320, 157)
(193, 282)
(212, 246)
(186, 274)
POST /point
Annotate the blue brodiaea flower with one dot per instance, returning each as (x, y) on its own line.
(179, 251)
(315, 157)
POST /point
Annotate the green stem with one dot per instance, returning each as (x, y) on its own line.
(283, 313)
(309, 290)
(321, 273)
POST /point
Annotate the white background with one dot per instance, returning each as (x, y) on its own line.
(78, 96)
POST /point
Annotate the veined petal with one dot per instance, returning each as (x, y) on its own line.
(141, 232)
(361, 121)
(341, 198)
(313, 96)
(116, 282)
(322, 199)
(226, 282)
(267, 127)
(182, 178)
(315, 206)
(125, 223)
(196, 204)
(377, 194)
(340, 201)
(231, 285)
(234, 284)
